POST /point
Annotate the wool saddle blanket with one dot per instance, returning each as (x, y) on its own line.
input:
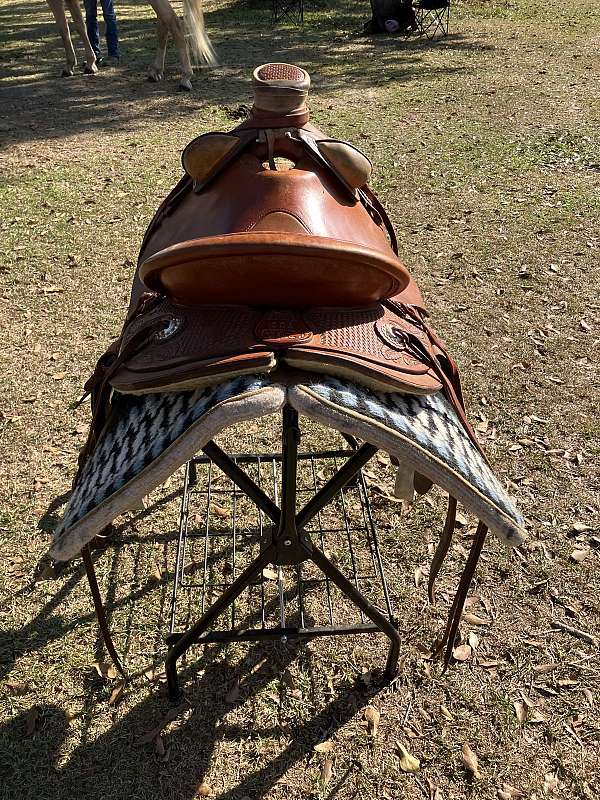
(147, 437)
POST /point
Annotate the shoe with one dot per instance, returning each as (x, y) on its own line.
(100, 62)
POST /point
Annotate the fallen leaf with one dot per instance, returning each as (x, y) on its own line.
(543, 669)
(117, 694)
(233, 695)
(31, 719)
(203, 790)
(408, 763)
(520, 711)
(327, 771)
(288, 679)
(269, 574)
(71, 716)
(470, 761)
(323, 747)
(446, 713)
(550, 783)
(101, 668)
(169, 717)
(508, 792)
(16, 688)
(579, 555)
(581, 527)
(462, 653)
(588, 696)
(473, 640)
(537, 716)
(473, 619)
(219, 511)
(372, 716)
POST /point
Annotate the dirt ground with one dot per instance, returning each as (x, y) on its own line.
(487, 155)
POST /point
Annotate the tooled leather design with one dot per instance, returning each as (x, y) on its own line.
(204, 333)
(281, 72)
(368, 331)
(282, 328)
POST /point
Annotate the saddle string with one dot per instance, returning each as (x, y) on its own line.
(450, 382)
(453, 391)
(441, 551)
(460, 597)
(373, 205)
(100, 610)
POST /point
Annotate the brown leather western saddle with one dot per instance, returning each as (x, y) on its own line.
(272, 253)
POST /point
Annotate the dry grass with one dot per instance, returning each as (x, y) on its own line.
(487, 155)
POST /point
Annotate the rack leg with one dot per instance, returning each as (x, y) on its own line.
(193, 634)
(348, 588)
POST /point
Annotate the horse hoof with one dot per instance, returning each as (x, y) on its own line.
(155, 77)
(90, 70)
(67, 72)
(185, 85)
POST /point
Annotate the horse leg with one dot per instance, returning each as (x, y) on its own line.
(157, 68)
(77, 16)
(58, 11)
(171, 21)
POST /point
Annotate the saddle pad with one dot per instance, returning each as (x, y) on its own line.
(425, 434)
(149, 436)
(145, 440)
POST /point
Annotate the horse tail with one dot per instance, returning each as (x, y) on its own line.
(201, 48)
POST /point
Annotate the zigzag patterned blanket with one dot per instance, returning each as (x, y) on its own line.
(149, 436)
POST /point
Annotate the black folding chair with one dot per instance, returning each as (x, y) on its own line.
(290, 10)
(432, 17)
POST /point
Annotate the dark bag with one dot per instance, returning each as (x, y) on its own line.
(399, 10)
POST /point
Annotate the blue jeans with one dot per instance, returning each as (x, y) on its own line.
(112, 31)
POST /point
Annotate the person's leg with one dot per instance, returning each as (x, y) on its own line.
(112, 30)
(91, 24)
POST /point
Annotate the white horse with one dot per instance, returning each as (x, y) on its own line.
(191, 33)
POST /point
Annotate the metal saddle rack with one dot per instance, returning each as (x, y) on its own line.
(289, 538)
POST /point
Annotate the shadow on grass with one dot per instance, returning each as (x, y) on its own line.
(123, 762)
(331, 46)
(48, 625)
(120, 763)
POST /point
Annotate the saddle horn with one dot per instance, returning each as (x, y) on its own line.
(281, 90)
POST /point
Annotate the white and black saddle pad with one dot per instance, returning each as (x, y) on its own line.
(149, 436)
